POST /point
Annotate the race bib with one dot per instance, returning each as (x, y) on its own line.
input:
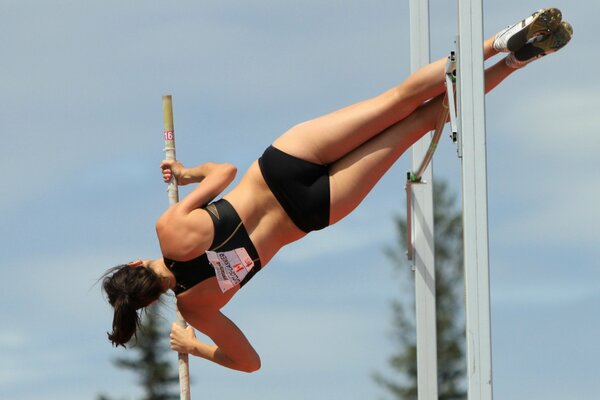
(231, 267)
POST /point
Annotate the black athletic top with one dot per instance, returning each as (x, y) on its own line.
(230, 234)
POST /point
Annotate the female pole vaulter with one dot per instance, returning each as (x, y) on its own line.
(309, 178)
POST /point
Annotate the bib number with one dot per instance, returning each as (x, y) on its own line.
(231, 267)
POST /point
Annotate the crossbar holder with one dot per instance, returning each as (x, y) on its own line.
(413, 178)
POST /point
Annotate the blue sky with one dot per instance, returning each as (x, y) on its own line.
(81, 89)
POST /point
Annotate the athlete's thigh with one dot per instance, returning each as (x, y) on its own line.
(328, 138)
(354, 175)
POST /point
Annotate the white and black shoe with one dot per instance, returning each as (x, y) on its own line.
(538, 25)
(542, 47)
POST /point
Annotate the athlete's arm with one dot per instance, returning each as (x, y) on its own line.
(231, 349)
(185, 175)
(213, 178)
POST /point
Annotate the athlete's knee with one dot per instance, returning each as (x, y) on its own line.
(405, 100)
(434, 113)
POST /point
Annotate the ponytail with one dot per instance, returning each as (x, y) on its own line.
(125, 322)
(129, 289)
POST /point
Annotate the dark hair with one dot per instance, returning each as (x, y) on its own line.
(129, 289)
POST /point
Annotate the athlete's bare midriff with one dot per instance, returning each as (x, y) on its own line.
(267, 224)
(186, 236)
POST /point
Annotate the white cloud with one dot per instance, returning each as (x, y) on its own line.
(561, 123)
(12, 340)
(546, 294)
(553, 211)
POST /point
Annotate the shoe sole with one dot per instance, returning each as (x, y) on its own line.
(545, 22)
(558, 39)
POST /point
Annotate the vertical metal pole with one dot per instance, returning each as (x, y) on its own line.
(173, 194)
(422, 225)
(471, 111)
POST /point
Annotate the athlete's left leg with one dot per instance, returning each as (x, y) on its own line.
(354, 175)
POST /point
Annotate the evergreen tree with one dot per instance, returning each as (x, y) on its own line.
(150, 364)
(449, 307)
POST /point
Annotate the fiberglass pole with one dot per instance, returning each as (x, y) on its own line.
(167, 102)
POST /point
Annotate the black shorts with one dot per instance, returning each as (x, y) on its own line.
(300, 186)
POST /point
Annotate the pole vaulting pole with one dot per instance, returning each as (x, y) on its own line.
(167, 103)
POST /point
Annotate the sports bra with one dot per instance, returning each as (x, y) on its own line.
(229, 234)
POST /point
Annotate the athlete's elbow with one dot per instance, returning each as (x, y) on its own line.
(250, 365)
(229, 170)
(226, 167)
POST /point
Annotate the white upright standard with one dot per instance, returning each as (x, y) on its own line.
(421, 245)
(173, 193)
(471, 115)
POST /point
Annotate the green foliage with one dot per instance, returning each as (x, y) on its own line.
(402, 385)
(151, 360)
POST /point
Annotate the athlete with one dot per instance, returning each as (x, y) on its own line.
(309, 178)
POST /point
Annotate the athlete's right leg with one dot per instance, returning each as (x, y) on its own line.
(328, 138)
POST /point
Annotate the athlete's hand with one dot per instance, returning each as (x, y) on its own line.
(173, 168)
(182, 339)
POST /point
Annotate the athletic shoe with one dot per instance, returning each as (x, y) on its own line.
(540, 23)
(541, 47)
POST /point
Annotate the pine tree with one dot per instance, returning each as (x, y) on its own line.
(449, 307)
(150, 364)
